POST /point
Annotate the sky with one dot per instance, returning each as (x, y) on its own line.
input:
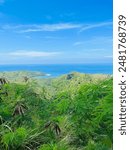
(56, 31)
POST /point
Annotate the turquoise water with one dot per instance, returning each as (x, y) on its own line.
(57, 69)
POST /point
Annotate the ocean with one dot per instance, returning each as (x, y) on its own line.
(59, 69)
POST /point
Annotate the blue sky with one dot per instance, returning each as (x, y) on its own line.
(55, 31)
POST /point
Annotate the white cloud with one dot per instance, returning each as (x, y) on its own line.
(32, 54)
(91, 26)
(21, 28)
(52, 27)
(98, 40)
(41, 27)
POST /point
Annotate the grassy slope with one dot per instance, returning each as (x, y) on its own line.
(70, 112)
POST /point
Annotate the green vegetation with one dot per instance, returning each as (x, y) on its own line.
(71, 112)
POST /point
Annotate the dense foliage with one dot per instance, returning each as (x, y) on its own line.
(72, 112)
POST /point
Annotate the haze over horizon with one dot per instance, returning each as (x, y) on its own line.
(55, 32)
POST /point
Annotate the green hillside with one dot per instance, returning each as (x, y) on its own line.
(70, 112)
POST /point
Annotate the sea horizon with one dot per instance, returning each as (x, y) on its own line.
(60, 69)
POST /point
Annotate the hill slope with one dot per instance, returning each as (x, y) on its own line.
(71, 112)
